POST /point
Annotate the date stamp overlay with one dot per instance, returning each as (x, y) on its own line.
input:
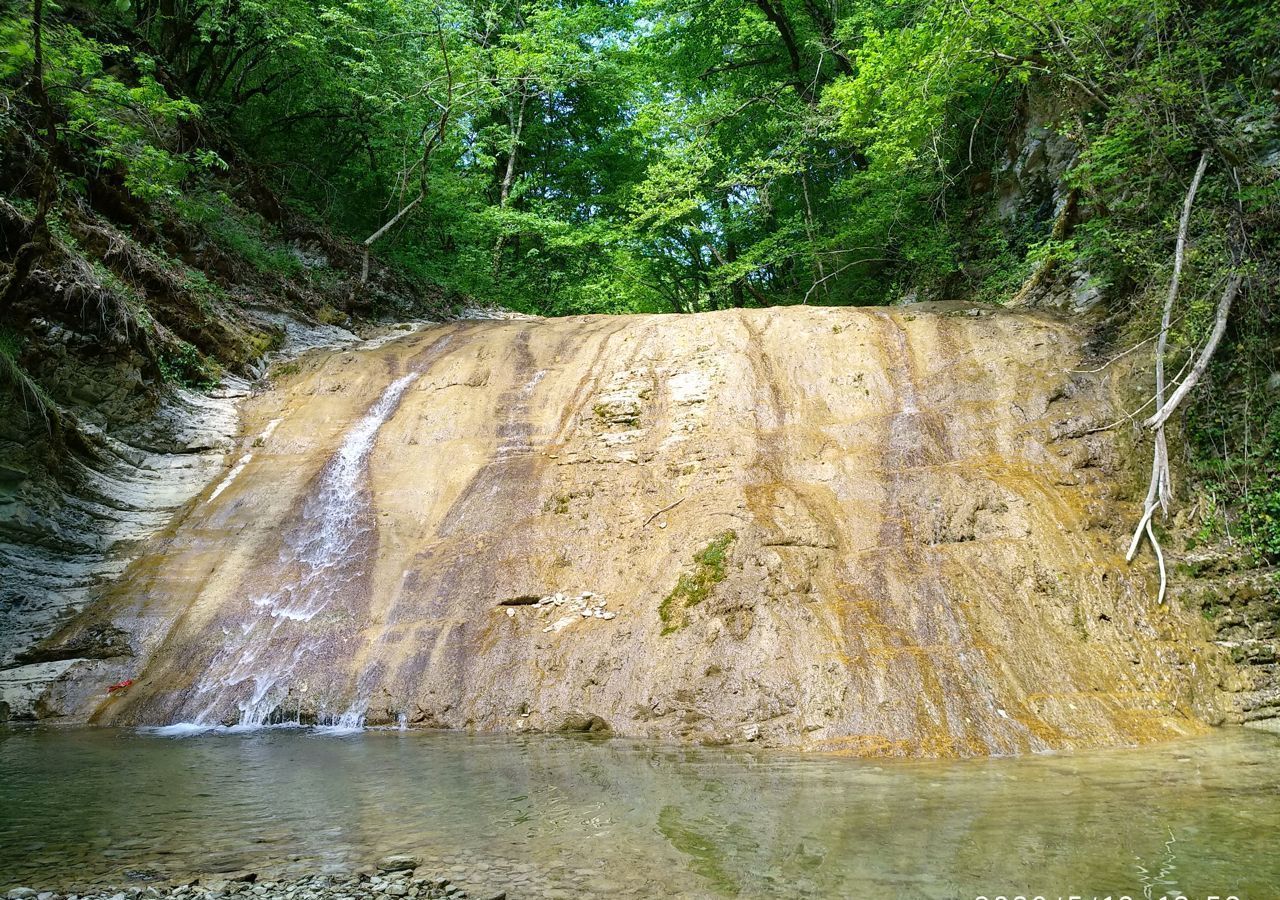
(1141, 895)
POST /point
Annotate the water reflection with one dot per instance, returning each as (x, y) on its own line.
(591, 818)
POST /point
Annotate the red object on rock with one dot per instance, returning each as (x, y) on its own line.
(119, 685)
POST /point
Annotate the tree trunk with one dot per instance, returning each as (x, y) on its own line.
(30, 252)
(509, 175)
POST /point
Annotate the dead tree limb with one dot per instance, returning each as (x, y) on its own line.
(1160, 490)
(368, 242)
(1202, 362)
(667, 508)
(430, 144)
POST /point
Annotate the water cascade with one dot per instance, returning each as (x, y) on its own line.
(266, 651)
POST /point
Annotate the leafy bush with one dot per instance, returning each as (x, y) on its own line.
(1262, 515)
(182, 364)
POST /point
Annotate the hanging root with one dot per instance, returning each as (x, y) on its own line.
(1160, 488)
(1158, 491)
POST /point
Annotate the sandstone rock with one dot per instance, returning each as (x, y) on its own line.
(398, 862)
(912, 497)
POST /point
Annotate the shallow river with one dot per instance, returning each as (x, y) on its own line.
(559, 817)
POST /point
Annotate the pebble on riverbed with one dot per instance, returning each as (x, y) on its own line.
(398, 883)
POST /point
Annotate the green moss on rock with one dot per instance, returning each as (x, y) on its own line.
(709, 569)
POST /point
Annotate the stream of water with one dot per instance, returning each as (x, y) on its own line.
(321, 564)
(562, 817)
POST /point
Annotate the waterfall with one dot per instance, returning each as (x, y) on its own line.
(318, 554)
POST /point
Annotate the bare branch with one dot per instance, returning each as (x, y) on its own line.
(667, 508)
(1202, 363)
(1159, 490)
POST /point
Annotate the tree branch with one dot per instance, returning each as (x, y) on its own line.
(1202, 363)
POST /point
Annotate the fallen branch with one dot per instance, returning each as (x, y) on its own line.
(666, 508)
(368, 242)
(430, 145)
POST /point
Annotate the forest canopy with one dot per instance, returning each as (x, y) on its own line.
(563, 156)
(166, 162)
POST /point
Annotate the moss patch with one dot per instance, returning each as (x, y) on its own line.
(692, 588)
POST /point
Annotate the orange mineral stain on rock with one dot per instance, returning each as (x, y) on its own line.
(924, 560)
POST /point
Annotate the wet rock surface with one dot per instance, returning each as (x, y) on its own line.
(72, 520)
(64, 533)
(927, 522)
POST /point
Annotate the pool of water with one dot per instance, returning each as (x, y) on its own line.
(556, 817)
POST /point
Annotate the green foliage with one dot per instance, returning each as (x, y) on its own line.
(117, 123)
(593, 156)
(182, 364)
(1233, 433)
(10, 345)
(240, 233)
(709, 569)
(1262, 515)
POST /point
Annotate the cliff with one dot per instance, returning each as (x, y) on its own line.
(887, 532)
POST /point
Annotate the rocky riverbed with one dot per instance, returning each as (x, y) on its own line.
(460, 876)
(396, 878)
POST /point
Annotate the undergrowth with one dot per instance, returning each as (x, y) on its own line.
(182, 364)
(238, 232)
(1233, 438)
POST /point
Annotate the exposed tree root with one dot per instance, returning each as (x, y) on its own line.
(1160, 489)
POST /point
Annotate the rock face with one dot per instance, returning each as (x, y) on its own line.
(56, 544)
(1241, 606)
(877, 531)
(72, 521)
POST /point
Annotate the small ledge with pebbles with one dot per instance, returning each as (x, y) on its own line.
(572, 608)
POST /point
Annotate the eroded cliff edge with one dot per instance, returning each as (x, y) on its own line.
(883, 531)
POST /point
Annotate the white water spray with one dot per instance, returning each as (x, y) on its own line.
(319, 551)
